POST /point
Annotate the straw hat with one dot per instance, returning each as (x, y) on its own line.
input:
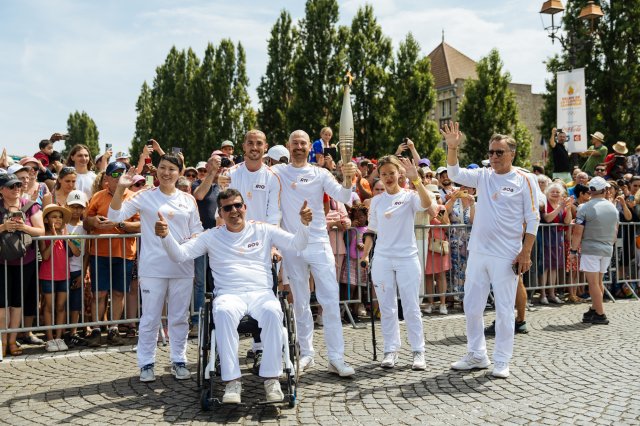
(620, 147)
(66, 213)
(599, 136)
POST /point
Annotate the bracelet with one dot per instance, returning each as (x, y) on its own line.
(572, 251)
(416, 181)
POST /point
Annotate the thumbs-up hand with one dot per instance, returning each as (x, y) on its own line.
(162, 228)
(305, 214)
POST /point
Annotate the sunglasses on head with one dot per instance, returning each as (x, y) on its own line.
(498, 152)
(67, 170)
(230, 207)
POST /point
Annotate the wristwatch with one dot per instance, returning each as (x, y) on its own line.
(120, 226)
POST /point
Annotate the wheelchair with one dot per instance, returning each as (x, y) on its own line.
(209, 361)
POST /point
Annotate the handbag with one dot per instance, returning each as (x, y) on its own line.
(439, 246)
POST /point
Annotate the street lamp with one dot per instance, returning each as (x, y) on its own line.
(590, 12)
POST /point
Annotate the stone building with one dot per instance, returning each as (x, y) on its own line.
(451, 68)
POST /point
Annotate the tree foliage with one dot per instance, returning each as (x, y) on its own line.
(275, 89)
(414, 96)
(82, 130)
(489, 107)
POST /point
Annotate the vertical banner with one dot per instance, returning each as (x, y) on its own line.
(572, 109)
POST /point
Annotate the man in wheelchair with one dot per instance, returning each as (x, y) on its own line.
(240, 258)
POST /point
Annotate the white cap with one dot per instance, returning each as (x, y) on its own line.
(121, 154)
(15, 168)
(441, 169)
(598, 184)
(201, 165)
(276, 152)
(77, 197)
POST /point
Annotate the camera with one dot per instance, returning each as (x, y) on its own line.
(225, 162)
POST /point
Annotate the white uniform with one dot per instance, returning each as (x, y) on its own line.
(505, 203)
(396, 267)
(260, 190)
(243, 285)
(160, 277)
(310, 183)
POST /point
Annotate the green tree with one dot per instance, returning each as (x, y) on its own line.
(548, 114)
(275, 88)
(489, 107)
(315, 74)
(144, 120)
(82, 130)
(243, 116)
(414, 95)
(370, 57)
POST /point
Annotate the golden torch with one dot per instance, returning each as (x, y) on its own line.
(345, 144)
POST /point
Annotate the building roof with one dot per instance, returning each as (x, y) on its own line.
(449, 64)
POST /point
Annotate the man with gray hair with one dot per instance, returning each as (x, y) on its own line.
(302, 182)
(507, 201)
(595, 232)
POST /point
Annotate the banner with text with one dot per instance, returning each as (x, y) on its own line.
(572, 109)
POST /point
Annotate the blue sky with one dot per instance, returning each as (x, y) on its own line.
(60, 56)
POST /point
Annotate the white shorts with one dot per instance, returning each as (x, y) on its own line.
(592, 263)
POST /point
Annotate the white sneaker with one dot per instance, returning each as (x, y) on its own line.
(232, 392)
(500, 369)
(428, 308)
(306, 362)
(51, 346)
(544, 300)
(62, 346)
(341, 368)
(147, 374)
(273, 390)
(389, 360)
(180, 371)
(443, 309)
(418, 361)
(469, 362)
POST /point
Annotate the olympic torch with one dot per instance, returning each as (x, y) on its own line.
(345, 137)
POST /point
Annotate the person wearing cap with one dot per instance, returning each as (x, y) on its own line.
(111, 259)
(191, 173)
(21, 270)
(201, 169)
(594, 234)
(302, 183)
(507, 203)
(597, 153)
(78, 265)
(161, 278)
(54, 273)
(616, 162)
(227, 148)
(123, 157)
(277, 154)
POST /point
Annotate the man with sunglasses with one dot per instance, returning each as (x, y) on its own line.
(111, 260)
(243, 284)
(507, 202)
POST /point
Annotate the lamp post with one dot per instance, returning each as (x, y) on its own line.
(590, 12)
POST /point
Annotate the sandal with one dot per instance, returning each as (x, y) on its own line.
(14, 349)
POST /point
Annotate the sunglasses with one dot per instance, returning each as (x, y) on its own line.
(67, 170)
(190, 175)
(600, 170)
(15, 185)
(498, 152)
(230, 207)
(116, 174)
(139, 184)
(429, 175)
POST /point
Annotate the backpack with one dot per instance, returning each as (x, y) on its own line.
(14, 245)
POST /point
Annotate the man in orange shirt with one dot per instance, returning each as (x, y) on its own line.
(111, 259)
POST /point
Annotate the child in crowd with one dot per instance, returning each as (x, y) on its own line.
(76, 203)
(54, 273)
(352, 272)
(46, 148)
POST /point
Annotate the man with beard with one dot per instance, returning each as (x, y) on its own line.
(561, 163)
(302, 182)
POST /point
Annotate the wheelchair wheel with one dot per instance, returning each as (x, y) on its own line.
(294, 354)
(204, 335)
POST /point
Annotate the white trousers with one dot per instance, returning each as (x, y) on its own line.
(177, 293)
(228, 310)
(482, 270)
(390, 276)
(318, 259)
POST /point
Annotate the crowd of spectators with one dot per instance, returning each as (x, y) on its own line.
(95, 280)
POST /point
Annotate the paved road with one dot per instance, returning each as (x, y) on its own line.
(563, 372)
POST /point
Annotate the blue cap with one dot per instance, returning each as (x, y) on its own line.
(424, 161)
(116, 165)
(472, 166)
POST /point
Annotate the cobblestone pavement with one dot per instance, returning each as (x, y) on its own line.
(562, 372)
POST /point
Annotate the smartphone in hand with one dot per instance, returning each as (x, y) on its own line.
(515, 268)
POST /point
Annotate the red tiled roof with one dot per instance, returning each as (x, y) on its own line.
(449, 64)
